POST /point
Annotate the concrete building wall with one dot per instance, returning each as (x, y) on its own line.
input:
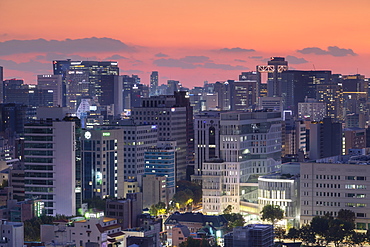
(327, 188)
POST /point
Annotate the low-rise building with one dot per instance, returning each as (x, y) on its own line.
(100, 231)
(11, 234)
(194, 222)
(257, 235)
(281, 190)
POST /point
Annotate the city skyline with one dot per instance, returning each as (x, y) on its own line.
(189, 41)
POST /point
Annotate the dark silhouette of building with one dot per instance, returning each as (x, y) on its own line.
(325, 139)
(300, 84)
(153, 83)
(274, 69)
(1, 84)
(12, 119)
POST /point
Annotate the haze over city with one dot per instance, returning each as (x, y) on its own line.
(190, 41)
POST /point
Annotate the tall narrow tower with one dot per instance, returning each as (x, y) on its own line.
(153, 83)
(274, 68)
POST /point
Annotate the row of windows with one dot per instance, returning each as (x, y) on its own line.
(355, 178)
(328, 204)
(328, 194)
(332, 177)
(319, 185)
(355, 205)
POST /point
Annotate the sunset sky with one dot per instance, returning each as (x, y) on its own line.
(189, 40)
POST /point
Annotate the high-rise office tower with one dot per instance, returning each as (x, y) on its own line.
(12, 119)
(1, 84)
(183, 100)
(86, 79)
(274, 69)
(172, 86)
(297, 85)
(170, 119)
(325, 139)
(137, 139)
(223, 91)
(50, 165)
(161, 161)
(311, 109)
(52, 83)
(128, 93)
(153, 83)
(332, 96)
(243, 95)
(355, 93)
(207, 139)
(15, 91)
(102, 162)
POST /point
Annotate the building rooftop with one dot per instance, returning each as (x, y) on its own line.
(214, 220)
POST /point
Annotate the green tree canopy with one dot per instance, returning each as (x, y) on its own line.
(32, 226)
(195, 188)
(234, 220)
(191, 242)
(157, 209)
(293, 233)
(272, 213)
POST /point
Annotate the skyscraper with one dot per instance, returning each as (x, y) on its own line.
(1, 84)
(207, 138)
(52, 83)
(153, 83)
(170, 119)
(274, 69)
(102, 162)
(243, 95)
(325, 139)
(50, 165)
(297, 85)
(86, 79)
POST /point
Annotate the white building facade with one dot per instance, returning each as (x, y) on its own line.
(50, 165)
(327, 188)
(250, 145)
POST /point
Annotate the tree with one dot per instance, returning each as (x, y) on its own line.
(272, 213)
(228, 209)
(32, 226)
(195, 189)
(279, 233)
(191, 242)
(307, 235)
(183, 198)
(157, 209)
(356, 239)
(293, 233)
(347, 216)
(234, 220)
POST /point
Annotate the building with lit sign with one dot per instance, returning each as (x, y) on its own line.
(91, 79)
(102, 162)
